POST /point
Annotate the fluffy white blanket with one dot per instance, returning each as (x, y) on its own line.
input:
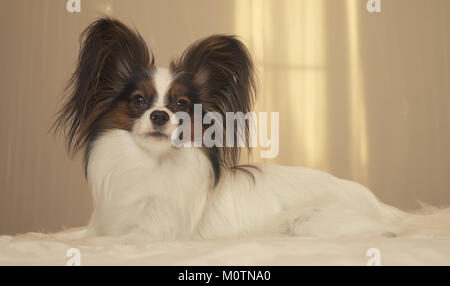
(52, 249)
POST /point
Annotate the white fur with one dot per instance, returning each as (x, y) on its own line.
(130, 188)
(162, 80)
(171, 196)
(145, 185)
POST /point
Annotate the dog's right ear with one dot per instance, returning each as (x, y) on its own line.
(110, 55)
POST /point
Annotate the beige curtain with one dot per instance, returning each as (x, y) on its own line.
(361, 95)
(288, 40)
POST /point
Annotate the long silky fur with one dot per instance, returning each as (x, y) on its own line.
(110, 56)
(222, 69)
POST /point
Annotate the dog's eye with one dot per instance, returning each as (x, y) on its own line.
(181, 103)
(139, 100)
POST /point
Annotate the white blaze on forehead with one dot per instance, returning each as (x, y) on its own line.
(162, 79)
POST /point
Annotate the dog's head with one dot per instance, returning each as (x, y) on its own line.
(116, 85)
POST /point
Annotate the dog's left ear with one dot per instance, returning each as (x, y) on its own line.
(222, 70)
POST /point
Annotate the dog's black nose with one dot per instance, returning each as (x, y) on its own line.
(159, 117)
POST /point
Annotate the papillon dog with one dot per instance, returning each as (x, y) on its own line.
(119, 115)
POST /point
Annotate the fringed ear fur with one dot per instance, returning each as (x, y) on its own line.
(110, 55)
(222, 70)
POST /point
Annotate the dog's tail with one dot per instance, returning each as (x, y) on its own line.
(429, 220)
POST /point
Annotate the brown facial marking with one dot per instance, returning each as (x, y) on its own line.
(178, 98)
(130, 107)
(147, 90)
(119, 117)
